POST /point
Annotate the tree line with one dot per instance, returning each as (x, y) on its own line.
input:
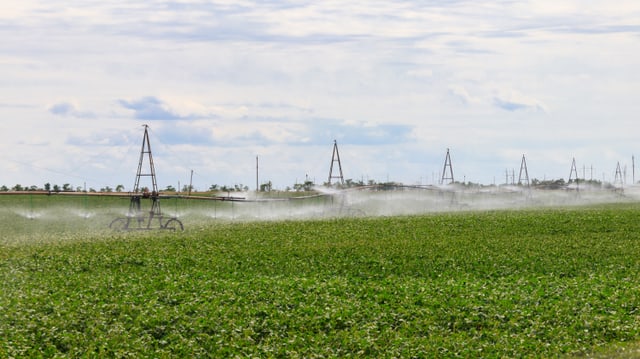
(306, 186)
(67, 187)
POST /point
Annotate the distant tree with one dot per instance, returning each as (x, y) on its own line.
(4, 188)
(213, 187)
(169, 188)
(18, 187)
(66, 187)
(33, 188)
(308, 185)
(119, 188)
(266, 187)
(56, 188)
(548, 184)
(106, 189)
(592, 182)
(47, 186)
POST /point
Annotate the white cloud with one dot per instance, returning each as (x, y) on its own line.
(461, 94)
(514, 101)
(395, 82)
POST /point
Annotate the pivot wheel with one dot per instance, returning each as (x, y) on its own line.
(119, 224)
(173, 224)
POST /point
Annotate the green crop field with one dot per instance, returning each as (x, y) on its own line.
(527, 283)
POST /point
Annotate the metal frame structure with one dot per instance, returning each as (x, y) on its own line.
(335, 158)
(619, 178)
(447, 164)
(136, 218)
(523, 168)
(574, 169)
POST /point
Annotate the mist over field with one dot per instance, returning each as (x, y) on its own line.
(41, 212)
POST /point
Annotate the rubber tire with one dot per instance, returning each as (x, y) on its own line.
(173, 224)
(119, 224)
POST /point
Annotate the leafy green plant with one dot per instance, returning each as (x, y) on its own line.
(539, 283)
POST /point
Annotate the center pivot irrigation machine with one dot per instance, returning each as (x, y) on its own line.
(138, 219)
(340, 198)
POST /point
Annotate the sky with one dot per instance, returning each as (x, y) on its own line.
(396, 83)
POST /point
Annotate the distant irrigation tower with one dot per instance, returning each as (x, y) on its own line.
(619, 178)
(335, 158)
(524, 180)
(447, 171)
(572, 172)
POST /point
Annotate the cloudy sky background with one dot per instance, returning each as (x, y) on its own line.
(395, 83)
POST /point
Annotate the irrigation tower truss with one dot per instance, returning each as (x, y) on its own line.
(447, 170)
(523, 177)
(335, 157)
(137, 219)
(619, 178)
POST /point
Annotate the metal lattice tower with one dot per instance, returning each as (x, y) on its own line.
(523, 169)
(135, 200)
(137, 219)
(618, 178)
(447, 165)
(573, 170)
(335, 158)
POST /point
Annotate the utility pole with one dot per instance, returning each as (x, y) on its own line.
(257, 188)
(190, 182)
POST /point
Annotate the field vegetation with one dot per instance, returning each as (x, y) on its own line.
(526, 283)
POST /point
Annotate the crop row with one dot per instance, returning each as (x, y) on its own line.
(503, 283)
